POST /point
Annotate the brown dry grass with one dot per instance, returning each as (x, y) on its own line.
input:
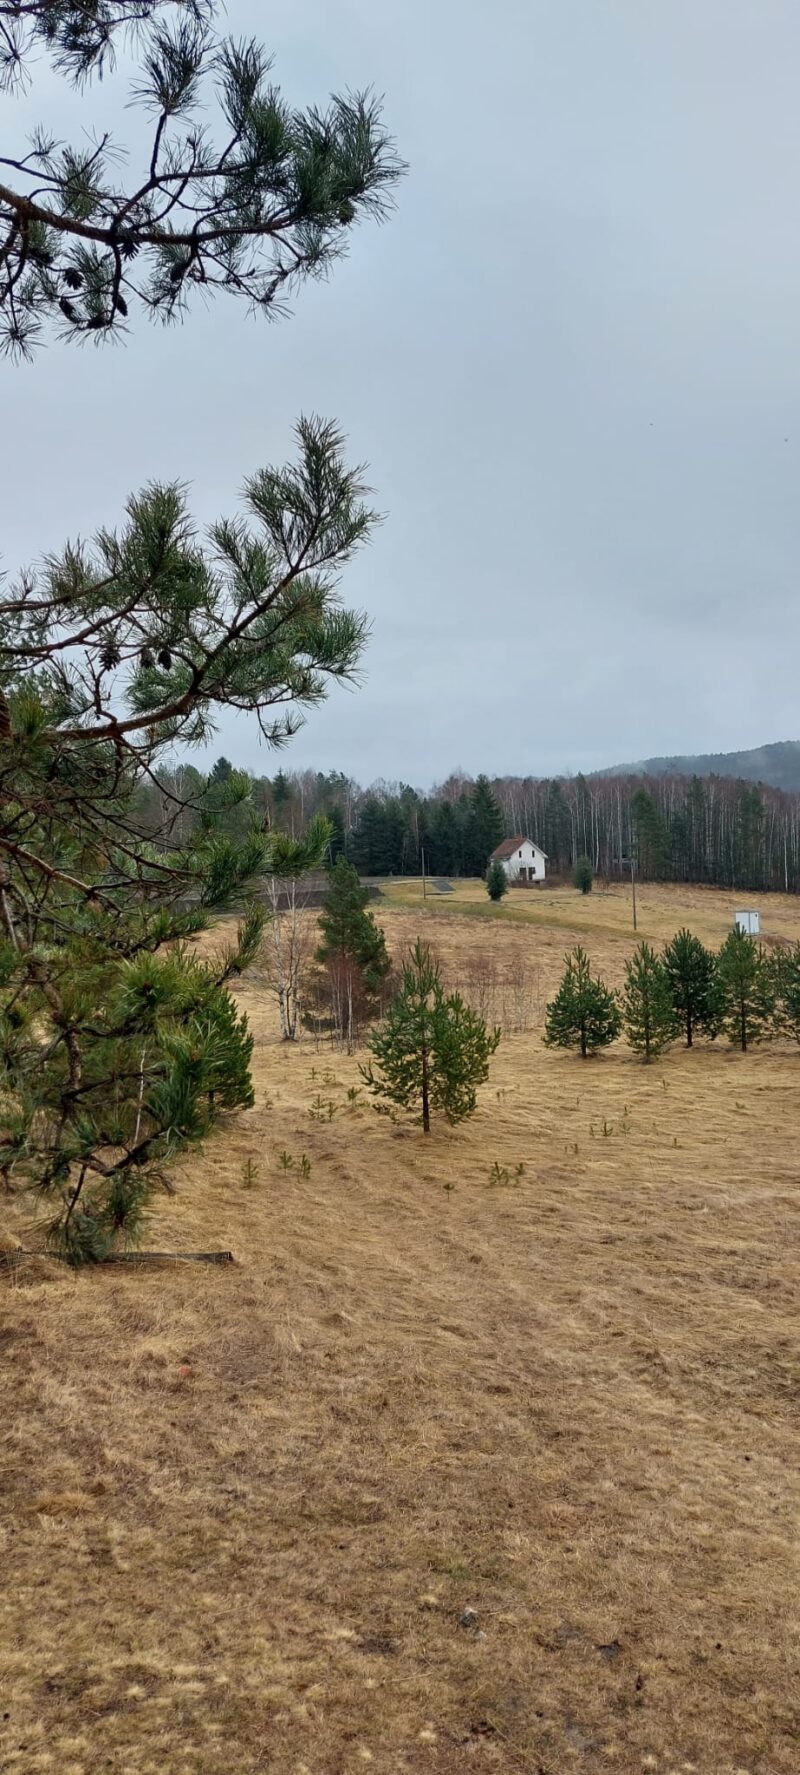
(605, 912)
(244, 1509)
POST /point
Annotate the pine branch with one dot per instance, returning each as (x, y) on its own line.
(80, 34)
(253, 217)
(108, 654)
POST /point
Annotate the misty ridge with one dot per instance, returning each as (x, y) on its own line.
(777, 764)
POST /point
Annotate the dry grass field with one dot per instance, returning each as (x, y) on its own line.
(444, 1474)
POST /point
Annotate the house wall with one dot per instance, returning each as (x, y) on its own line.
(527, 856)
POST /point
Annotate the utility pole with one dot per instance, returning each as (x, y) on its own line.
(630, 863)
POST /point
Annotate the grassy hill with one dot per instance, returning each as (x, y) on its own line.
(777, 764)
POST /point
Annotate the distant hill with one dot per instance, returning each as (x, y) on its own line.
(777, 764)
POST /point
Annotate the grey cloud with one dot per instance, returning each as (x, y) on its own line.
(571, 361)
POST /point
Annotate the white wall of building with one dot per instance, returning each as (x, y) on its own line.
(526, 857)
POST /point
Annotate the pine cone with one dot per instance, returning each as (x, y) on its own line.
(146, 658)
(110, 655)
(121, 306)
(67, 309)
(72, 278)
(165, 658)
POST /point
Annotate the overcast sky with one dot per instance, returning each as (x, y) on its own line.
(570, 360)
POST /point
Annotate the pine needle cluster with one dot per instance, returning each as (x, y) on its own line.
(237, 191)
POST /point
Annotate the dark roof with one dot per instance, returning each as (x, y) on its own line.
(510, 845)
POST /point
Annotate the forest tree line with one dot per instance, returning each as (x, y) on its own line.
(716, 830)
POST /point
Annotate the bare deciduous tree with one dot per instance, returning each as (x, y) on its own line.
(289, 940)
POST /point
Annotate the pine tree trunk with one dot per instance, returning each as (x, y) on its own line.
(426, 1108)
(688, 1029)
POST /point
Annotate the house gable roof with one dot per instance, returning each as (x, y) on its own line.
(503, 851)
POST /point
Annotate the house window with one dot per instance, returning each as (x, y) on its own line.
(520, 853)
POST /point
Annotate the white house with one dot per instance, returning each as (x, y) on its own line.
(522, 860)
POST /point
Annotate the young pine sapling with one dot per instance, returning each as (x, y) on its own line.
(431, 1052)
(584, 1014)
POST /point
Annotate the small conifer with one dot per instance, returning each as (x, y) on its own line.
(747, 988)
(692, 974)
(651, 1019)
(584, 1014)
(583, 875)
(496, 881)
(432, 1051)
